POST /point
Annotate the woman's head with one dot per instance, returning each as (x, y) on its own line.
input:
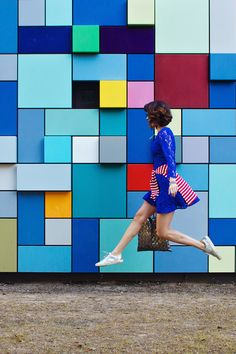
(159, 113)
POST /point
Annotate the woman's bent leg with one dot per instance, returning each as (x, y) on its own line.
(145, 211)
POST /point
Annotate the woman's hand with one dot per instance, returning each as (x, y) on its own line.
(173, 188)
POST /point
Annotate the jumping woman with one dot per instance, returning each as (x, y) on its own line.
(168, 190)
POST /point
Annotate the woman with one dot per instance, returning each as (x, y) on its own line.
(168, 190)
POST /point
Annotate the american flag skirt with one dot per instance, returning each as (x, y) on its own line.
(183, 187)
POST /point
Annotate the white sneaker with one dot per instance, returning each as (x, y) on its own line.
(109, 259)
(210, 248)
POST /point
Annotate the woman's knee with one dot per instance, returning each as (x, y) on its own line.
(161, 232)
(140, 217)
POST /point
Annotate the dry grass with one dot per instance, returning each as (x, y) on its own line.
(118, 318)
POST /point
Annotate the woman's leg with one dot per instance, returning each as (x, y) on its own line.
(162, 228)
(141, 215)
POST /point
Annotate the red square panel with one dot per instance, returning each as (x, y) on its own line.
(182, 80)
(138, 177)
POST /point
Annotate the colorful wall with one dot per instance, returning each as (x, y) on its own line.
(74, 143)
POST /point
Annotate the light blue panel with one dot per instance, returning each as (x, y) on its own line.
(31, 13)
(30, 135)
(113, 122)
(72, 122)
(111, 231)
(44, 177)
(209, 122)
(58, 12)
(99, 67)
(222, 66)
(8, 149)
(8, 26)
(223, 149)
(57, 149)
(112, 149)
(222, 194)
(182, 259)
(194, 174)
(44, 259)
(8, 204)
(134, 202)
(44, 81)
(8, 67)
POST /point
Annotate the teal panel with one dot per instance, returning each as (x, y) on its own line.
(58, 12)
(72, 122)
(44, 259)
(182, 26)
(195, 174)
(111, 231)
(57, 149)
(112, 122)
(99, 190)
(44, 81)
(222, 194)
(209, 122)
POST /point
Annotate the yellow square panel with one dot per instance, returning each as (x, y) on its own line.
(58, 204)
(113, 94)
(226, 264)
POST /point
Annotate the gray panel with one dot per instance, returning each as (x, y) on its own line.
(8, 67)
(58, 231)
(31, 12)
(44, 177)
(112, 149)
(8, 148)
(8, 204)
(223, 26)
(8, 177)
(195, 149)
(193, 221)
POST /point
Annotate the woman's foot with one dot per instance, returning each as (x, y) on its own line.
(109, 260)
(209, 247)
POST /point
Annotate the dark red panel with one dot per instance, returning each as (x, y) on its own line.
(138, 177)
(182, 80)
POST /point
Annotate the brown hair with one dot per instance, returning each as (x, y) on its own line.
(159, 112)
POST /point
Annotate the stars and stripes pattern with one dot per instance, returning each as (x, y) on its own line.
(183, 187)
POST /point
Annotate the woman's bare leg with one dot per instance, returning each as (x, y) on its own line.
(162, 227)
(141, 215)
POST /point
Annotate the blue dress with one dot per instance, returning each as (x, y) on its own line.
(163, 149)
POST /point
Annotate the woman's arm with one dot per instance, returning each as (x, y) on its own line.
(168, 146)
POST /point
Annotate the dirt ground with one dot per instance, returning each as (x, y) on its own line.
(109, 318)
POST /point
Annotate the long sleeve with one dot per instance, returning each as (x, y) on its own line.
(167, 142)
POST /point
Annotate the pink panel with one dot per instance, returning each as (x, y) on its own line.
(140, 93)
(182, 80)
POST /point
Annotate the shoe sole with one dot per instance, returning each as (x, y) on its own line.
(103, 265)
(213, 248)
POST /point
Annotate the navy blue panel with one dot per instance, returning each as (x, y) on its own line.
(100, 12)
(124, 39)
(84, 245)
(45, 39)
(8, 108)
(30, 218)
(140, 67)
(222, 94)
(139, 144)
(223, 231)
(8, 26)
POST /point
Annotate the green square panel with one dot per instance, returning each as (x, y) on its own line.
(99, 190)
(113, 122)
(85, 39)
(222, 194)
(111, 231)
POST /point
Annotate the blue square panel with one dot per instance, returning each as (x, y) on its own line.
(85, 237)
(134, 202)
(222, 149)
(102, 12)
(223, 231)
(44, 259)
(113, 122)
(99, 190)
(222, 94)
(139, 134)
(57, 149)
(223, 66)
(140, 67)
(194, 174)
(45, 81)
(182, 259)
(8, 26)
(8, 108)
